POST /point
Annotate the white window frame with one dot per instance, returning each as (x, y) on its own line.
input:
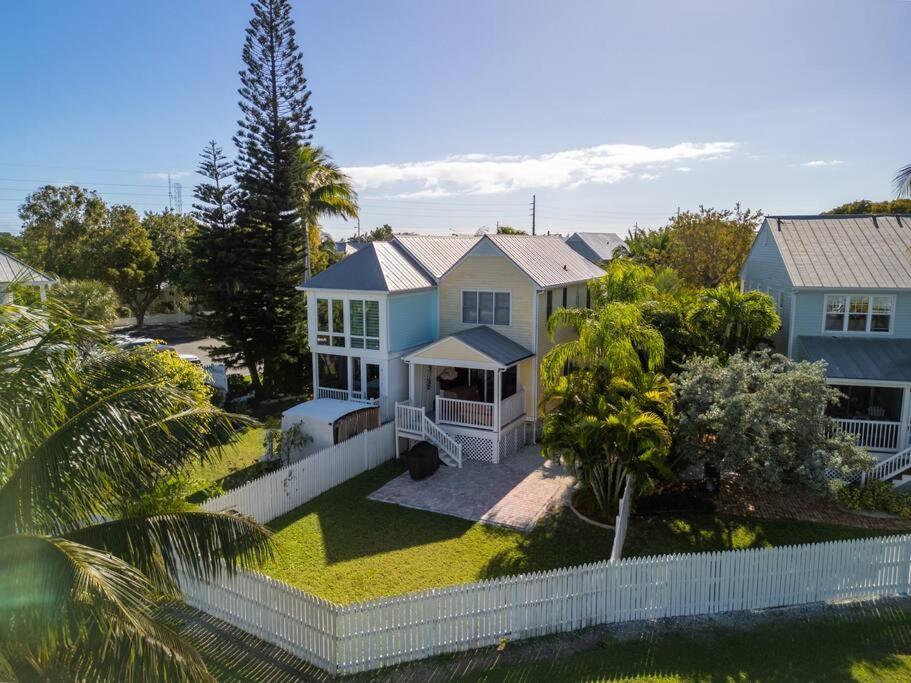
(365, 336)
(332, 333)
(477, 292)
(845, 316)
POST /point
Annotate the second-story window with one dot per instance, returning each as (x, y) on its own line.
(365, 324)
(330, 322)
(485, 308)
(859, 313)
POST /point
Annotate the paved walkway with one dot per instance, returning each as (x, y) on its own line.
(516, 493)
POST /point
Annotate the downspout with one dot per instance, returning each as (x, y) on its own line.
(536, 293)
(791, 324)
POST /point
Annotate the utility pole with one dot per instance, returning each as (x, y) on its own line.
(178, 197)
(170, 195)
(359, 227)
(533, 214)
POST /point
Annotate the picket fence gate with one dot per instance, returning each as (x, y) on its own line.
(368, 635)
(278, 492)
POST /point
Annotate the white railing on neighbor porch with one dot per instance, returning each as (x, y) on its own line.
(409, 418)
(890, 468)
(386, 405)
(876, 435)
(455, 411)
(512, 407)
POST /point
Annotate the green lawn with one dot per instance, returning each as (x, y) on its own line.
(237, 464)
(872, 643)
(346, 548)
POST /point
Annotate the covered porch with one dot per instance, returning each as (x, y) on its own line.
(874, 376)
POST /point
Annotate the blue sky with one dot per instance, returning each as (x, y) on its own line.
(450, 115)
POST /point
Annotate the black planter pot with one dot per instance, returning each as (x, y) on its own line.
(423, 460)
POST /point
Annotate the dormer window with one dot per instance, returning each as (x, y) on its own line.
(859, 313)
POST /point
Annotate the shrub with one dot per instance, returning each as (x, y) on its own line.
(88, 299)
(762, 417)
(875, 496)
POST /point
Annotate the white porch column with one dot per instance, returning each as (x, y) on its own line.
(497, 391)
(905, 418)
(411, 382)
(43, 290)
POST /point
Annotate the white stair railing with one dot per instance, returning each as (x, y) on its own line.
(413, 420)
(889, 468)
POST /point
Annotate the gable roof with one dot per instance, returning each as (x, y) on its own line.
(596, 246)
(14, 270)
(863, 251)
(376, 267)
(436, 253)
(546, 259)
(487, 342)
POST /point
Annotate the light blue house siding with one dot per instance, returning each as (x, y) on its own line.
(811, 311)
(765, 271)
(412, 319)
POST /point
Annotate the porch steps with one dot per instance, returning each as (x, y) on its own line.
(896, 468)
(412, 423)
(898, 482)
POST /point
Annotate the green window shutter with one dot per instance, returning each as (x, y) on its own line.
(372, 309)
(357, 318)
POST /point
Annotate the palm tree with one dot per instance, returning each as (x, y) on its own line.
(86, 434)
(902, 182)
(607, 407)
(733, 320)
(324, 191)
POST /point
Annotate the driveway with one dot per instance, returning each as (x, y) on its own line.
(514, 494)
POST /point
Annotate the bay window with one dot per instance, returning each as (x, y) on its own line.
(859, 313)
(485, 308)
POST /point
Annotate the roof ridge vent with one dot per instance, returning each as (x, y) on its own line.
(875, 223)
(778, 220)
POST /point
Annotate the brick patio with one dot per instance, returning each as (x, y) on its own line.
(515, 494)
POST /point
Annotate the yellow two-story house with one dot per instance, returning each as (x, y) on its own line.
(460, 331)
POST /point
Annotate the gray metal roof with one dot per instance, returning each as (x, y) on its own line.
(546, 259)
(436, 253)
(596, 246)
(845, 251)
(376, 267)
(14, 270)
(493, 344)
(859, 358)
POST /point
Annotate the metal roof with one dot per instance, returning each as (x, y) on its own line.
(436, 253)
(596, 246)
(859, 358)
(376, 267)
(546, 259)
(867, 252)
(14, 270)
(326, 409)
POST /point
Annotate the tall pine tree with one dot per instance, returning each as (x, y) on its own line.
(277, 120)
(217, 261)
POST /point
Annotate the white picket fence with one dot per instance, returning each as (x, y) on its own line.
(278, 492)
(368, 635)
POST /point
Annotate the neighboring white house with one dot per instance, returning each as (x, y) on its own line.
(16, 271)
(445, 333)
(842, 285)
(597, 247)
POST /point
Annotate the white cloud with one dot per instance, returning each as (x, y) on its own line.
(683, 169)
(495, 174)
(163, 175)
(822, 163)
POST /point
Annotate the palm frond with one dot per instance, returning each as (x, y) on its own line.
(902, 182)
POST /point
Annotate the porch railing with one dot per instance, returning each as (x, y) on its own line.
(876, 435)
(512, 407)
(455, 411)
(409, 418)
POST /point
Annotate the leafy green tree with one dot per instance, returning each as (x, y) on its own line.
(84, 438)
(607, 407)
(90, 300)
(762, 416)
(56, 222)
(509, 230)
(122, 254)
(382, 233)
(866, 206)
(707, 247)
(731, 321)
(323, 191)
(170, 235)
(649, 247)
(11, 244)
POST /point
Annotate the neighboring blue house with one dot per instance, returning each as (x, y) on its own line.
(842, 286)
(597, 247)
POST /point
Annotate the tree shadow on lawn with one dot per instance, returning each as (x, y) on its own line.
(352, 526)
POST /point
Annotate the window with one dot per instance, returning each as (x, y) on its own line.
(485, 308)
(859, 313)
(365, 324)
(509, 382)
(565, 296)
(578, 296)
(588, 297)
(868, 403)
(550, 302)
(333, 371)
(372, 380)
(330, 322)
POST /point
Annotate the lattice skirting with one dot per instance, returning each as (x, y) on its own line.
(512, 439)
